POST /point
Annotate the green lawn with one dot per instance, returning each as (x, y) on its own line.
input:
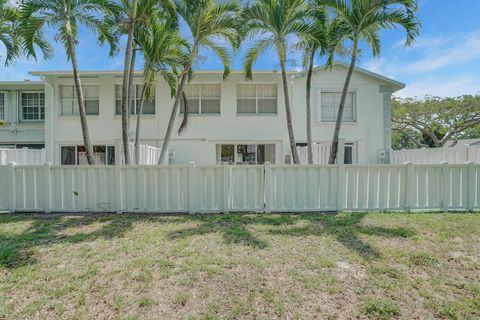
(312, 266)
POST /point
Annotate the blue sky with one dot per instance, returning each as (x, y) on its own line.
(445, 61)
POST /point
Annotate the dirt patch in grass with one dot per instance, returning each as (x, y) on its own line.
(245, 266)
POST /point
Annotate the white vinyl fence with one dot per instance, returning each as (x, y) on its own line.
(224, 188)
(22, 156)
(321, 152)
(149, 155)
(457, 155)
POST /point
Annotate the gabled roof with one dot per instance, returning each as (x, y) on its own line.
(396, 85)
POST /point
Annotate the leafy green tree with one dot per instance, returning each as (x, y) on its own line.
(67, 16)
(163, 51)
(276, 24)
(207, 22)
(361, 21)
(11, 35)
(435, 122)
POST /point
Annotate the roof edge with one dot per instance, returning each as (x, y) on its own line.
(397, 84)
(140, 72)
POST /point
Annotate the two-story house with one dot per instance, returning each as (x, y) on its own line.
(22, 107)
(231, 120)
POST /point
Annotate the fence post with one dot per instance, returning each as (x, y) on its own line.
(13, 188)
(268, 187)
(341, 151)
(47, 174)
(191, 188)
(118, 175)
(445, 185)
(409, 186)
(471, 185)
(226, 188)
(340, 185)
(471, 153)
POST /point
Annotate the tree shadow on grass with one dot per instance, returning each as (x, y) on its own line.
(346, 228)
(17, 249)
(233, 227)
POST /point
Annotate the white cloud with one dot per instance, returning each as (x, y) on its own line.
(441, 66)
(428, 55)
(441, 86)
(463, 51)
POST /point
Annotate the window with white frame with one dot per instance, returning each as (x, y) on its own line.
(202, 98)
(245, 153)
(2, 105)
(32, 105)
(77, 155)
(148, 104)
(330, 103)
(257, 98)
(69, 100)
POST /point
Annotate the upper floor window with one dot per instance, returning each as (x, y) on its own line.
(330, 102)
(203, 98)
(69, 100)
(256, 98)
(148, 105)
(32, 106)
(2, 105)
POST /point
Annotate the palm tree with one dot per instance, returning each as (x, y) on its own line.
(361, 21)
(207, 21)
(134, 14)
(317, 45)
(163, 52)
(277, 22)
(8, 33)
(67, 16)
(11, 35)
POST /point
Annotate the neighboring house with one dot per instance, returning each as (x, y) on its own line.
(231, 120)
(463, 143)
(22, 107)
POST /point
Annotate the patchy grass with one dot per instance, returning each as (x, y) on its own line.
(372, 266)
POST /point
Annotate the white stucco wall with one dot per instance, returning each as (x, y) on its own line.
(367, 132)
(204, 132)
(17, 131)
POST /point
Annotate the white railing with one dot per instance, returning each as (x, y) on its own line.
(456, 155)
(148, 155)
(22, 156)
(321, 152)
(224, 188)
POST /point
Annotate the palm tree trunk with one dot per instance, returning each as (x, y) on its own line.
(309, 108)
(291, 136)
(81, 101)
(125, 84)
(131, 85)
(173, 115)
(338, 124)
(137, 130)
